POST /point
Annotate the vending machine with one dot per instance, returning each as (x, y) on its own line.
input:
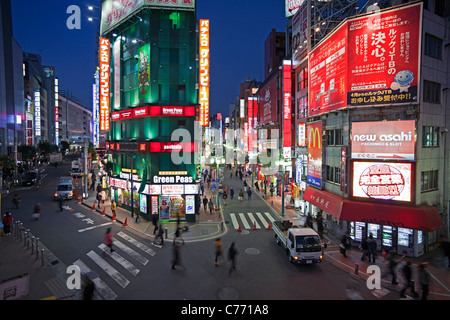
(389, 239)
(410, 242)
(375, 230)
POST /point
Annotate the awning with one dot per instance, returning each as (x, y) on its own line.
(424, 217)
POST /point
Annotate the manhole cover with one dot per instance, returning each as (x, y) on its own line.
(228, 293)
(252, 251)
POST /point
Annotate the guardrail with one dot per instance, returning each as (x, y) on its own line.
(30, 242)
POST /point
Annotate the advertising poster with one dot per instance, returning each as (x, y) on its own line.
(314, 167)
(143, 203)
(383, 57)
(268, 102)
(328, 73)
(382, 180)
(177, 207)
(164, 207)
(383, 140)
(154, 200)
(144, 72)
(299, 38)
(190, 204)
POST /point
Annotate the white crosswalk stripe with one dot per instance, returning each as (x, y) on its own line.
(112, 264)
(113, 273)
(104, 290)
(138, 244)
(247, 220)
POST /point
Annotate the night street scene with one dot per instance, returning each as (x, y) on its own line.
(235, 158)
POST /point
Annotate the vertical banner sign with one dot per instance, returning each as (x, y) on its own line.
(287, 108)
(343, 166)
(117, 57)
(314, 168)
(250, 123)
(104, 84)
(56, 112)
(96, 108)
(37, 113)
(144, 72)
(204, 73)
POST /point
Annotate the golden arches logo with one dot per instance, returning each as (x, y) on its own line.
(314, 135)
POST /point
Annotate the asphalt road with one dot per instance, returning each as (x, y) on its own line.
(263, 270)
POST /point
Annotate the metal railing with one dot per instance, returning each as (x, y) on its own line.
(30, 242)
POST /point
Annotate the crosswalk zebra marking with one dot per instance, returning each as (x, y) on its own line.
(244, 221)
(130, 252)
(138, 244)
(113, 273)
(263, 221)
(252, 218)
(102, 288)
(120, 260)
(269, 217)
(234, 220)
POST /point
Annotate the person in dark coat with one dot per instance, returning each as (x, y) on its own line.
(345, 244)
(7, 219)
(407, 273)
(205, 203)
(364, 248)
(232, 253)
(372, 248)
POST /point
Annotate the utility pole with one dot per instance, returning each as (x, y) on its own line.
(85, 171)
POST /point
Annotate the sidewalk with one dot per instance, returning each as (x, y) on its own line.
(439, 274)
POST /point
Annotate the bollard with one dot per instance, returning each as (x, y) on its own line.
(42, 256)
(221, 225)
(25, 235)
(356, 268)
(166, 232)
(31, 244)
(36, 242)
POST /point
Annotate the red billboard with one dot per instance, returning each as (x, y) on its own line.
(383, 57)
(287, 103)
(268, 102)
(371, 60)
(328, 73)
(383, 140)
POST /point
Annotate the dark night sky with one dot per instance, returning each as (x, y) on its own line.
(238, 30)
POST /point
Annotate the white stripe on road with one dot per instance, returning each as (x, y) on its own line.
(113, 273)
(94, 227)
(119, 259)
(100, 285)
(130, 252)
(141, 246)
(244, 221)
(252, 218)
(264, 222)
(269, 217)
(234, 221)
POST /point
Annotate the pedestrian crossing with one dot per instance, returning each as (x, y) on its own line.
(117, 268)
(249, 220)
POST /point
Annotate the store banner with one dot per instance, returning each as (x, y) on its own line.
(144, 72)
(383, 140)
(104, 84)
(268, 102)
(314, 167)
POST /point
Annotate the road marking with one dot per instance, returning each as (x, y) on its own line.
(113, 273)
(130, 252)
(252, 218)
(263, 221)
(119, 259)
(94, 227)
(269, 217)
(244, 221)
(138, 244)
(100, 285)
(234, 220)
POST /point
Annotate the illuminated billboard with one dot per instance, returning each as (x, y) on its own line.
(268, 102)
(104, 84)
(383, 140)
(204, 73)
(287, 104)
(382, 180)
(314, 168)
(371, 60)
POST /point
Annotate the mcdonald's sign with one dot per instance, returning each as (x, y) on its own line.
(314, 168)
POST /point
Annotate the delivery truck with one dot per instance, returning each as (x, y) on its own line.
(302, 244)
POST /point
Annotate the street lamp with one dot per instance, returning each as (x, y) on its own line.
(283, 164)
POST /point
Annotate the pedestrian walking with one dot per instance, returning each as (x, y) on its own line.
(218, 251)
(424, 279)
(36, 211)
(364, 248)
(178, 235)
(202, 189)
(88, 292)
(257, 186)
(232, 253)
(225, 198)
(99, 199)
(7, 220)
(205, 203)
(160, 233)
(345, 244)
(109, 239)
(231, 193)
(60, 202)
(392, 265)
(210, 206)
(176, 250)
(113, 207)
(319, 222)
(372, 248)
(241, 195)
(445, 245)
(155, 224)
(249, 193)
(16, 201)
(272, 190)
(409, 283)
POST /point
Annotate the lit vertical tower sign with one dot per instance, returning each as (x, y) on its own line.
(204, 73)
(104, 84)
(56, 112)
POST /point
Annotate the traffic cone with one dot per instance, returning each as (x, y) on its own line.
(126, 222)
(269, 227)
(79, 199)
(93, 207)
(254, 225)
(239, 229)
(114, 216)
(103, 212)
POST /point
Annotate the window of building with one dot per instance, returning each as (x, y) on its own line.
(431, 91)
(430, 137)
(333, 174)
(433, 46)
(302, 79)
(429, 180)
(334, 137)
